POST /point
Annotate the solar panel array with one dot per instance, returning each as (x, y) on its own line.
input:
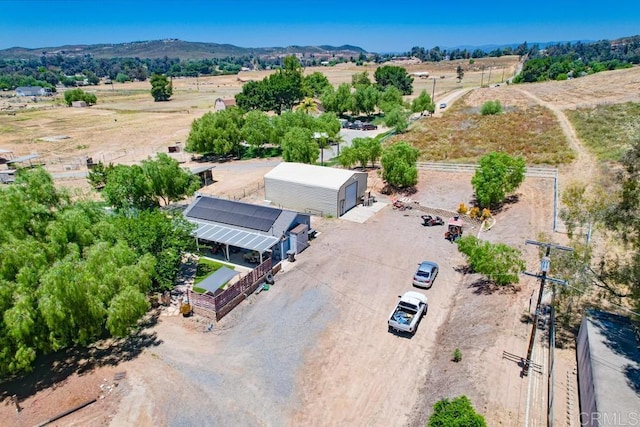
(244, 215)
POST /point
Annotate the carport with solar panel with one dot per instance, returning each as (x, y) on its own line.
(238, 225)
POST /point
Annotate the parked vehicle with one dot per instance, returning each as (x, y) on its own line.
(443, 105)
(429, 221)
(426, 274)
(454, 231)
(369, 126)
(408, 312)
(355, 125)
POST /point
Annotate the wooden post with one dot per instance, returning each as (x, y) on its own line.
(15, 401)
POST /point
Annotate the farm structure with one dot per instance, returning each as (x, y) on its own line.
(32, 91)
(256, 230)
(223, 104)
(608, 370)
(317, 190)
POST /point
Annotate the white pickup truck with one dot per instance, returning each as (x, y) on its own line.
(408, 312)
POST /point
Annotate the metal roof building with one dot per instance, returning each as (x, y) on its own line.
(244, 225)
(314, 189)
(608, 355)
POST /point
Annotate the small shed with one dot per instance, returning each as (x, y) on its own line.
(313, 189)
(79, 104)
(608, 355)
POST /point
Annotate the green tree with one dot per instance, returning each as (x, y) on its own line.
(255, 96)
(315, 84)
(257, 129)
(69, 273)
(165, 237)
(79, 95)
(622, 218)
(399, 165)
(298, 146)
(491, 108)
(360, 79)
(423, 103)
(290, 119)
(497, 175)
(365, 150)
(285, 88)
(500, 263)
(122, 78)
(455, 413)
(389, 99)
(128, 187)
(219, 133)
(365, 99)
(391, 75)
(460, 72)
(397, 118)
(344, 99)
(167, 180)
(277, 92)
(348, 157)
(161, 87)
(97, 176)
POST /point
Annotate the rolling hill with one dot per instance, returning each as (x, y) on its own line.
(174, 48)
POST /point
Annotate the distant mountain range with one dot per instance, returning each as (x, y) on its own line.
(174, 48)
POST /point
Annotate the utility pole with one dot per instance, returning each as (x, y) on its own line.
(433, 91)
(545, 264)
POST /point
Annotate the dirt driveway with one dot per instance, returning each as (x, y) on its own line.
(315, 349)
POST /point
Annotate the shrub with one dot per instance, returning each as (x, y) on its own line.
(457, 355)
(79, 95)
(462, 208)
(491, 108)
(486, 213)
(455, 413)
(475, 212)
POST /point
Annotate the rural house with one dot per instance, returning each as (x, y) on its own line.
(238, 226)
(33, 91)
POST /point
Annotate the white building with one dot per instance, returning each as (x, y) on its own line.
(314, 189)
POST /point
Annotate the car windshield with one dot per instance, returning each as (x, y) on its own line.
(424, 273)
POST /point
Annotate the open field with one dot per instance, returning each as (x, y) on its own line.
(314, 350)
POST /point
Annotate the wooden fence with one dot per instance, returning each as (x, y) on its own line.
(224, 301)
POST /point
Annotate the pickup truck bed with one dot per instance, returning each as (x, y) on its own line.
(408, 312)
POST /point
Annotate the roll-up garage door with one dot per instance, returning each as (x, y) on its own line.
(351, 196)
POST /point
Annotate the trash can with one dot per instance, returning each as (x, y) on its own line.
(291, 255)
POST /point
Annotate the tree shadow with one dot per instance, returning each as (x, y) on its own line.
(484, 286)
(52, 369)
(501, 207)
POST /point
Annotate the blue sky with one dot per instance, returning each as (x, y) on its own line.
(376, 26)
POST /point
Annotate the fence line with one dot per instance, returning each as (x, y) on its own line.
(530, 172)
(223, 302)
(242, 285)
(533, 172)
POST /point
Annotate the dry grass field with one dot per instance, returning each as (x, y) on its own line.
(314, 349)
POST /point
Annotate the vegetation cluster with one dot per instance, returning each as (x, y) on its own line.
(72, 272)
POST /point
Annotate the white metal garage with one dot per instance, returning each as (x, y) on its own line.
(314, 189)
